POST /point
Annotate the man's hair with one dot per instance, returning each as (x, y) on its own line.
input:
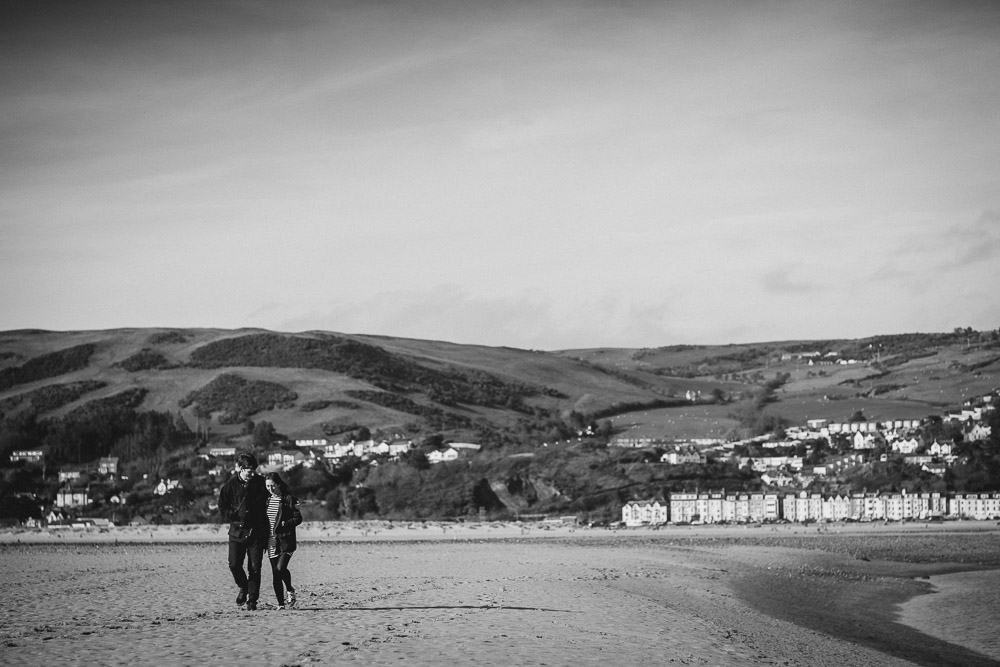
(246, 461)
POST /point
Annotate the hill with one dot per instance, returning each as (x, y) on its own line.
(467, 391)
(152, 396)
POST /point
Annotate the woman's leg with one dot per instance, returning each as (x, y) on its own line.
(283, 571)
(276, 580)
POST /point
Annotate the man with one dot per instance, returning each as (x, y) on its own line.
(243, 503)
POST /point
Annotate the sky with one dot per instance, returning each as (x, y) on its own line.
(541, 175)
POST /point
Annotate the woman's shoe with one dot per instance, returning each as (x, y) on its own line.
(290, 598)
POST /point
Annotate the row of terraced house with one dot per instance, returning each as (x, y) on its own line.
(688, 508)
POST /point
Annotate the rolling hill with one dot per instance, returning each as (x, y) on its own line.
(317, 384)
(155, 397)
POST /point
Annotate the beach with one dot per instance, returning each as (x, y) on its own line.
(431, 594)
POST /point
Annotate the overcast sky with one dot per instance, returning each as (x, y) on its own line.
(542, 175)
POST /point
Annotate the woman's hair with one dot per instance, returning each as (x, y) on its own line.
(276, 478)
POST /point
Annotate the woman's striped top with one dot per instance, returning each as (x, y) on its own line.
(273, 505)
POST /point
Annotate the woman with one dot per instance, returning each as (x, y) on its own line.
(283, 515)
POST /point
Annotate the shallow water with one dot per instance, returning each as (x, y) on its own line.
(962, 609)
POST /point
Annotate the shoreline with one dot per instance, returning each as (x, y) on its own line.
(862, 602)
(943, 612)
(379, 531)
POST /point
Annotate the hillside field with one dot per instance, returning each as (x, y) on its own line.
(639, 391)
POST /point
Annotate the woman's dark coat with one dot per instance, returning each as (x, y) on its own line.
(288, 517)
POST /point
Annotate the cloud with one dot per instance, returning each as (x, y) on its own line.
(530, 320)
(780, 281)
(975, 242)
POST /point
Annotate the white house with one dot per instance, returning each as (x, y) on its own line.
(980, 432)
(683, 455)
(393, 449)
(27, 455)
(935, 468)
(286, 458)
(166, 485)
(939, 449)
(315, 442)
(222, 451)
(645, 512)
(776, 478)
(632, 442)
(762, 463)
(908, 446)
(108, 465)
(67, 497)
(56, 516)
(864, 440)
(70, 473)
(442, 455)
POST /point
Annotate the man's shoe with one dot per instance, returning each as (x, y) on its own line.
(281, 606)
(251, 606)
(290, 598)
(242, 597)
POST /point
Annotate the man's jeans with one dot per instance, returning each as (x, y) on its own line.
(253, 552)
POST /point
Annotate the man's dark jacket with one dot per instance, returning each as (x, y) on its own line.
(253, 512)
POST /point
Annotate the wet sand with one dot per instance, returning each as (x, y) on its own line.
(507, 594)
(945, 613)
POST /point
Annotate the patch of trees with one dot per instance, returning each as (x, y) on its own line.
(144, 360)
(978, 469)
(49, 397)
(110, 425)
(89, 431)
(48, 365)
(373, 364)
(313, 406)
(407, 492)
(124, 402)
(894, 476)
(168, 338)
(621, 408)
(335, 428)
(897, 349)
(720, 364)
(237, 398)
(646, 351)
(436, 417)
(880, 389)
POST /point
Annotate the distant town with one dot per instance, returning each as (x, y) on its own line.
(854, 444)
(787, 463)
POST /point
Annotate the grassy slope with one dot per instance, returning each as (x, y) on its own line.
(927, 385)
(578, 382)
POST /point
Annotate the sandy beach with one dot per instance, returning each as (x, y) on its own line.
(431, 594)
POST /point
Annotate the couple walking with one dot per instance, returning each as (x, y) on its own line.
(262, 515)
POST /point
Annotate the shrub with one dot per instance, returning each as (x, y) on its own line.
(238, 398)
(144, 360)
(47, 365)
